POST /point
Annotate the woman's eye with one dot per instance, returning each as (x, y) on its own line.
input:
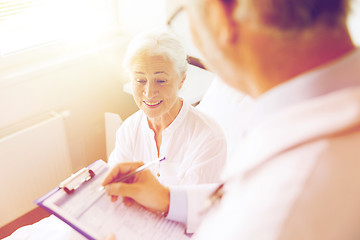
(140, 80)
(161, 81)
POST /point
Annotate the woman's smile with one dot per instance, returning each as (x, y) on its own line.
(152, 104)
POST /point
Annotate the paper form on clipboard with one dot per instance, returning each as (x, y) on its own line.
(80, 204)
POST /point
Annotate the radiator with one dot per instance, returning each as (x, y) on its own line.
(34, 158)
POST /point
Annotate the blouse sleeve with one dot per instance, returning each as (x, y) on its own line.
(207, 160)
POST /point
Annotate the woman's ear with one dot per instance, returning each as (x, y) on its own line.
(182, 81)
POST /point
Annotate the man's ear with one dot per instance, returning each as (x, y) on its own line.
(221, 18)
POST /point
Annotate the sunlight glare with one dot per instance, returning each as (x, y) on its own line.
(43, 21)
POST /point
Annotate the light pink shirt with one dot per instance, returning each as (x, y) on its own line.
(297, 172)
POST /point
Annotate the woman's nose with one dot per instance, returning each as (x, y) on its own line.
(150, 90)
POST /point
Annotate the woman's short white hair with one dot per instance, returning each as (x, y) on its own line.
(157, 42)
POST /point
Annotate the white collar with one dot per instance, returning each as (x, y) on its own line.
(175, 123)
(336, 75)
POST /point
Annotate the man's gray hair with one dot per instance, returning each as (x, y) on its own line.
(157, 42)
(296, 14)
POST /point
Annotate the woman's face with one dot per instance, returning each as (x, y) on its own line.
(156, 85)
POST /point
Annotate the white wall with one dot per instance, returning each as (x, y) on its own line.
(139, 15)
(88, 84)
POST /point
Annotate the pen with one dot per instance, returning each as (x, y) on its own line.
(139, 169)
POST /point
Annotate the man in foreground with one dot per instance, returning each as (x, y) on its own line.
(298, 164)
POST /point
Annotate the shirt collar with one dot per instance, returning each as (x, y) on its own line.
(336, 75)
(177, 121)
(179, 118)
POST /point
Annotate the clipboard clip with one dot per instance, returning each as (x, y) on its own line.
(76, 180)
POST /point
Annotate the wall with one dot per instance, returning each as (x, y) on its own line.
(88, 83)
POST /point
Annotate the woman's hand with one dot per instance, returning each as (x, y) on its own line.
(143, 188)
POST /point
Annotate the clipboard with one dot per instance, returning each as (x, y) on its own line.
(80, 202)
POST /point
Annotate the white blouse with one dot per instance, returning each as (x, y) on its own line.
(193, 144)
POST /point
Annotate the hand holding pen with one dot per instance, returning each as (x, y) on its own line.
(143, 187)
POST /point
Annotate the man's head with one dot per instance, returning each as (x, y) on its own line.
(248, 42)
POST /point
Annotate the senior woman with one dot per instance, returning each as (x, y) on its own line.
(166, 126)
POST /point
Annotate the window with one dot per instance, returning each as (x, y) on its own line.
(28, 24)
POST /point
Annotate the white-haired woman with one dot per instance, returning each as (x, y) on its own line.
(165, 126)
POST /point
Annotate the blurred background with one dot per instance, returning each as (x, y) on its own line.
(60, 71)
